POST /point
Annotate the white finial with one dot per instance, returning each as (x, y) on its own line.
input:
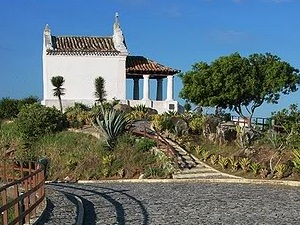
(117, 18)
(47, 37)
(118, 37)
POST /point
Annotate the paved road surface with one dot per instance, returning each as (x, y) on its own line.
(186, 203)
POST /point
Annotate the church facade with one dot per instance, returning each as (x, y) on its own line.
(81, 59)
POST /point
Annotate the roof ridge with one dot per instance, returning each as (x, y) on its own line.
(82, 36)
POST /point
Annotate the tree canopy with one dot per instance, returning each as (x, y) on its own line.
(239, 83)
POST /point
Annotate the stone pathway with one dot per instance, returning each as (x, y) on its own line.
(62, 208)
(182, 203)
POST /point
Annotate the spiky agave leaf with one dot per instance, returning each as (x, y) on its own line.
(111, 125)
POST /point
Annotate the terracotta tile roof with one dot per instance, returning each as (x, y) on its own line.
(142, 65)
(77, 45)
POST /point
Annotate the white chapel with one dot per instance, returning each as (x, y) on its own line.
(81, 59)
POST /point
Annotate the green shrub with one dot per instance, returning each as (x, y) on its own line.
(36, 120)
(196, 124)
(144, 144)
(27, 101)
(163, 122)
(78, 115)
(8, 108)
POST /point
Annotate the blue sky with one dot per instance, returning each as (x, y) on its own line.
(176, 33)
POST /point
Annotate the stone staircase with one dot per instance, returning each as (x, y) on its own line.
(193, 168)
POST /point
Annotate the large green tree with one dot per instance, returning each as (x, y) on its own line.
(239, 83)
(58, 90)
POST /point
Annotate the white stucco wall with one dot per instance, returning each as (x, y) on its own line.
(80, 73)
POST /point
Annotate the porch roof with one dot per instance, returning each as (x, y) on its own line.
(140, 65)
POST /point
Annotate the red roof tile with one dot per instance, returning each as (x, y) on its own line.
(72, 45)
(141, 65)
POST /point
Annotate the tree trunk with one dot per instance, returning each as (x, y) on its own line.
(60, 103)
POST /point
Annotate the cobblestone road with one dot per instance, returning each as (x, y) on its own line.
(186, 203)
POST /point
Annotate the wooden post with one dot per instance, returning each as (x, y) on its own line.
(26, 202)
(17, 205)
(4, 202)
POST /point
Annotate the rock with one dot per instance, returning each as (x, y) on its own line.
(123, 107)
(180, 123)
(142, 176)
(151, 111)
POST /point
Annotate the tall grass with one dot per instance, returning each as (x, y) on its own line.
(74, 156)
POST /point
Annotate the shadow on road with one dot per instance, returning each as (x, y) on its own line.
(89, 207)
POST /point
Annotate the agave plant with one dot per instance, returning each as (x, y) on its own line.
(110, 124)
(198, 149)
(245, 163)
(234, 163)
(255, 167)
(213, 159)
(296, 160)
(205, 155)
(223, 161)
(280, 169)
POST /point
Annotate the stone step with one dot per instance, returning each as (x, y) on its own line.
(187, 165)
(196, 170)
(197, 175)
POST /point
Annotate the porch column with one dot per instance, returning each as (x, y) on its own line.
(136, 89)
(159, 89)
(146, 87)
(170, 88)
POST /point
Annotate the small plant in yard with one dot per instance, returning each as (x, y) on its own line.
(213, 159)
(205, 155)
(144, 144)
(255, 167)
(280, 169)
(234, 163)
(245, 163)
(121, 172)
(223, 162)
(263, 172)
(296, 159)
(199, 150)
(105, 172)
(107, 159)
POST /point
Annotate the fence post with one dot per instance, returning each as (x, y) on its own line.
(17, 205)
(4, 202)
